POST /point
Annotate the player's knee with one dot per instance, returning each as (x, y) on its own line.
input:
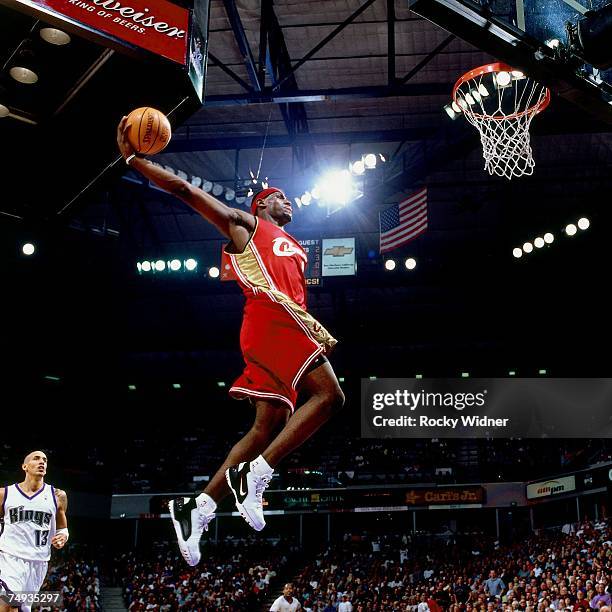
(261, 430)
(334, 399)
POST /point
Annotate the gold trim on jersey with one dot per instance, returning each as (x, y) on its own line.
(254, 275)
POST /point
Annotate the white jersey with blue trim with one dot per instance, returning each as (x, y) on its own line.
(29, 523)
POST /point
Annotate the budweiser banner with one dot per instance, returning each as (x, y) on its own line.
(155, 25)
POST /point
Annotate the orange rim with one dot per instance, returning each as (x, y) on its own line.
(538, 107)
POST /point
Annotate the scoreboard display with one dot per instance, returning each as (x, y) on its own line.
(312, 273)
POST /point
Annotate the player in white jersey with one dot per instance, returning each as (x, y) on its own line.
(33, 515)
(286, 602)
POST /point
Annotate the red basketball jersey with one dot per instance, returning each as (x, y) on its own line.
(272, 261)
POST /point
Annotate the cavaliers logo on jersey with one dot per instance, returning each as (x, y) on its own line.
(283, 247)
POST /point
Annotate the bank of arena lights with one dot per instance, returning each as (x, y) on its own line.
(539, 242)
(171, 266)
(501, 80)
(235, 194)
(409, 263)
(338, 187)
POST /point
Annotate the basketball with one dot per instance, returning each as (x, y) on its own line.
(149, 130)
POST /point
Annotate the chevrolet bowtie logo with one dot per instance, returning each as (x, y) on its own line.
(338, 251)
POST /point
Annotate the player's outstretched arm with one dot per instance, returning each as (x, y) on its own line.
(231, 222)
(61, 521)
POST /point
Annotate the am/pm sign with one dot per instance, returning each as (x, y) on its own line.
(551, 487)
(338, 256)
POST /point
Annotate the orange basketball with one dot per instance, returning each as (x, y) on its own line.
(148, 130)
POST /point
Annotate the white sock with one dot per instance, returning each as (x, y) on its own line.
(206, 503)
(260, 467)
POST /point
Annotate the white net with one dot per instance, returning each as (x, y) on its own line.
(501, 105)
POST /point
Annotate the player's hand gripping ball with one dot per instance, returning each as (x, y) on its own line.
(148, 130)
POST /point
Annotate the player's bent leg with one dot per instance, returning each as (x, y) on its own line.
(191, 515)
(247, 480)
(270, 417)
(325, 399)
(242, 475)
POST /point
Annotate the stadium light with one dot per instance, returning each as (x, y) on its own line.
(390, 264)
(132, 387)
(483, 91)
(176, 386)
(584, 223)
(217, 189)
(54, 36)
(512, 373)
(298, 201)
(502, 79)
(542, 372)
(539, 242)
(410, 263)
(306, 198)
(570, 229)
(465, 374)
(159, 265)
(146, 266)
(548, 238)
(23, 75)
(28, 248)
(191, 265)
(370, 161)
(213, 272)
(336, 187)
(175, 265)
(517, 252)
(450, 111)
(528, 247)
(220, 383)
(358, 167)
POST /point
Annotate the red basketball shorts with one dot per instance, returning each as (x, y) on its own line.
(277, 349)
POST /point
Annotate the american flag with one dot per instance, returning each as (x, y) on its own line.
(404, 221)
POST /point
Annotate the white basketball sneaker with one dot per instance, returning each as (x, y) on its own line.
(190, 517)
(248, 481)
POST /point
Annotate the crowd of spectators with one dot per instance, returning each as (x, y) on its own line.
(568, 572)
(77, 578)
(232, 577)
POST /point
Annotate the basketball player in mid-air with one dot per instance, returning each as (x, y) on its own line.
(33, 517)
(283, 347)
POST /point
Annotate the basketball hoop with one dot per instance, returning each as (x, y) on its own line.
(500, 103)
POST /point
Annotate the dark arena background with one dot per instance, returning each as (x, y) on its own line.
(120, 335)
